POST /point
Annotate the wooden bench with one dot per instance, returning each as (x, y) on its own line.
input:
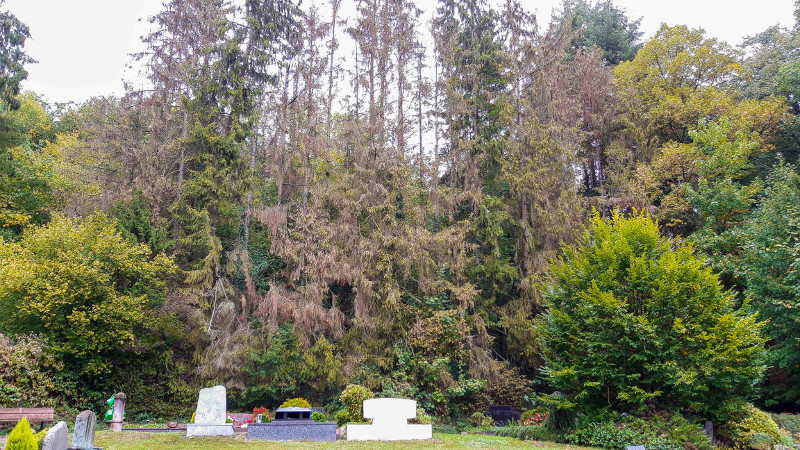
(40, 415)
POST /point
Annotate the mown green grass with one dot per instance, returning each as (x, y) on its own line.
(158, 441)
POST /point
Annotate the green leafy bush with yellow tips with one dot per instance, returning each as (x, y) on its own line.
(636, 321)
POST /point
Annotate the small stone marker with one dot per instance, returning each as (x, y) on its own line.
(389, 422)
(708, 429)
(57, 437)
(83, 437)
(635, 447)
(209, 418)
(119, 412)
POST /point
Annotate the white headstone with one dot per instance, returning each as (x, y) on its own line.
(389, 422)
(209, 418)
(211, 406)
(57, 437)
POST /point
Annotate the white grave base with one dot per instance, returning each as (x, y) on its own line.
(389, 422)
(200, 429)
(373, 433)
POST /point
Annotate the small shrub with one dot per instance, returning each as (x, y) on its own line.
(353, 398)
(751, 428)
(530, 433)
(658, 432)
(476, 419)
(342, 417)
(317, 416)
(21, 437)
(487, 422)
(423, 417)
(296, 402)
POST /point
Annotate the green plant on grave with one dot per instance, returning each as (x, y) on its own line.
(22, 437)
(296, 402)
(317, 416)
(353, 398)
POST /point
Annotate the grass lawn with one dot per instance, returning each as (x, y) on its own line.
(158, 441)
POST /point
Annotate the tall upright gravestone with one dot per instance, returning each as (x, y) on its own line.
(209, 418)
(83, 436)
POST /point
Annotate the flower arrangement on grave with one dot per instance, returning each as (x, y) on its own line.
(266, 415)
(533, 418)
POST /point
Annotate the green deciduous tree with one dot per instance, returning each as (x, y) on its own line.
(637, 321)
(677, 78)
(84, 287)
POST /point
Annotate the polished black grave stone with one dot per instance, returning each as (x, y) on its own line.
(501, 414)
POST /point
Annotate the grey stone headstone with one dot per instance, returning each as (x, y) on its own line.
(635, 447)
(57, 437)
(211, 406)
(85, 425)
(708, 429)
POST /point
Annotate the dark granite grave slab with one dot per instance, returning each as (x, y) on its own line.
(501, 414)
(293, 430)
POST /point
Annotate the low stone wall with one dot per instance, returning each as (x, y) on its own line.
(291, 430)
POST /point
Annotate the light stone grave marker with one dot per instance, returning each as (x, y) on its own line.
(57, 437)
(389, 422)
(83, 436)
(209, 418)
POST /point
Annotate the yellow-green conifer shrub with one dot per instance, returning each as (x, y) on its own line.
(752, 428)
(21, 437)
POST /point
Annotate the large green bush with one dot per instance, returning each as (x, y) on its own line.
(28, 372)
(636, 321)
(79, 283)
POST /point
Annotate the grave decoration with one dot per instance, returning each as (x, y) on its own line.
(209, 419)
(293, 424)
(389, 422)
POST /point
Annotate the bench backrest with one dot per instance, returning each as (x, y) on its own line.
(32, 414)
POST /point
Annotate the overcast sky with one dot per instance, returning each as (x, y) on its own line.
(83, 46)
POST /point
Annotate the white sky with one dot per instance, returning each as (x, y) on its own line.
(83, 45)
